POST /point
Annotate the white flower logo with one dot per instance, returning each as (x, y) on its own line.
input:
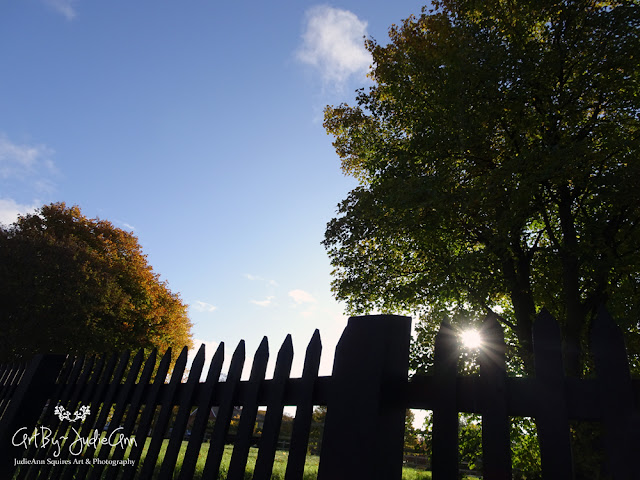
(78, 414)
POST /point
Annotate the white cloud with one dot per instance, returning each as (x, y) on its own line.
(257, 278)
(10, 209)
(333, 44)
(128, 226)
(264, 303)
(300, 296)
(19, 161)
(203, 307)
(64, 7)
(24, 168)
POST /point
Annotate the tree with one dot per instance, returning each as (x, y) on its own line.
(76, 285)
(317, 427)
(497, 154)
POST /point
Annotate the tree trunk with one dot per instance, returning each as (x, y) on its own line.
(517, 274)
(575, 312)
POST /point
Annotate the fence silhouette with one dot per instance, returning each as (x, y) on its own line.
(366, 398)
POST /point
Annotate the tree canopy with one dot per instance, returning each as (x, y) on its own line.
(497, 154)
(76, 285)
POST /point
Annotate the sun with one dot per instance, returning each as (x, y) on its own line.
(471, 338)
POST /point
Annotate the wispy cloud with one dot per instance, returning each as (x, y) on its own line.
(333, 44)
(128, 226)
(64, 7)
(203, 307)
(22, 160)
(300, 296)
(23, 168)
(10, 209)
(264, 303)
(257, 278)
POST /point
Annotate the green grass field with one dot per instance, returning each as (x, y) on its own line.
(279, 466)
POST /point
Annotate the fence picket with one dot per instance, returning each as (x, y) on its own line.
(552, 419)
(99, 394)
(146, 417)
(134, 408)
(244, 436)
(108, 400)
(182, 417)
(304, 410)
(26, 405)
(275, 407)
(369, 371)
(119, 405)
(162, 422)
(225, 414)
(204, 402)
(46, 417)
(621, 420)
(445, 414)
(79, 374)
(86, 393)
(496, 448)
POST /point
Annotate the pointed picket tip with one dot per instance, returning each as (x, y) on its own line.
(603, 324)
(124, 358)
(316, 334)
(240, 349)
(544, 311)
(263, 348)
(446, 328)
(608, 346)
(153, 355)
(492, 332)
(167, 353)
(493, 350)
(491, 323)
(237, 362)
(312, 355)
(287, 346)
(198, 360)
(219, 350)
(315, 341)
(545, 315)
(163, 368)
(182, 358)
(239, 354)
(544, 320)
(546, 330)
(215, 365)
(447, 335)
(139, 355)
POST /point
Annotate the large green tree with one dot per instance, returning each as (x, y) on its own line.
(497, 153)
(71, 284)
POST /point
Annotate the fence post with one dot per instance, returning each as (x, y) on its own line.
(364, 427)
(27, 403)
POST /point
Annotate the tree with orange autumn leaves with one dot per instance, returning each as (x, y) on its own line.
(70, 284)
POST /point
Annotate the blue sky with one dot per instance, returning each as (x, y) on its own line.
(198, 126)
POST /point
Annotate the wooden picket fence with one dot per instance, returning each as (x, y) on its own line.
(366, 398)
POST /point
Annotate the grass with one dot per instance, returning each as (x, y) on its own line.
(279, 464)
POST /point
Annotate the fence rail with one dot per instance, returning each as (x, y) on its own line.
(366, 398)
